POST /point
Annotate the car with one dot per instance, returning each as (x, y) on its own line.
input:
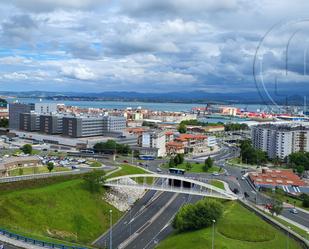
(294, 211)
(243, 178)
(125, 161)
(159, 170)
(215, 173)
(140, 164)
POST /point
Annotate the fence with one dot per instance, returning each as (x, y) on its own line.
(39, 176)
(35, 242)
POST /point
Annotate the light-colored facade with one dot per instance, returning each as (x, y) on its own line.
(45, 108)
(154, 139)
(280, 141)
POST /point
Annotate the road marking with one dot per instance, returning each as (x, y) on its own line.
(148, 223)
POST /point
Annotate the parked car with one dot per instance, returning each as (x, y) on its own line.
(125, 161)
(159, 170)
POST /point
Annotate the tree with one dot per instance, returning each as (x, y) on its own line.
(111, 146)
(182, 128)
(27, 149)
(94, 180)
(276, 207)
(208, 164)
(20, 171)
(300, 169)
(4, 122)
(188, 166)
(50, 166)
(198, 215)
(171, 163)
(305, 199)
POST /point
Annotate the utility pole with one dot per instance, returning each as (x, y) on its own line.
(213, 234)
(288, 238)
(110, 229)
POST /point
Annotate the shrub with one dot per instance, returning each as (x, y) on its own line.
(198, 215)
(94, 180)
(27, 149)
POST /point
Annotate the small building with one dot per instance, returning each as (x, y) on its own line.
(173, 148)
(193, 143)
(16, 162)
(285, 179)
(214, 128)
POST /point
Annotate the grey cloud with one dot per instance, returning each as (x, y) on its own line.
(51, 5)
(146, 8)
(18, 29)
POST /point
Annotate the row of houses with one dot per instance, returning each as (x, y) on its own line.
(161, 143)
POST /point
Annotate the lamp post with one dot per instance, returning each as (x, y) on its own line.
(213, 234)
(288, 238)
(110, 229)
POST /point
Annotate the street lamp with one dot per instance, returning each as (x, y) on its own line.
(213, 234)
(110, 229)
(288, 238)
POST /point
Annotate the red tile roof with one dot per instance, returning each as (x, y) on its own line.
(175, 144)
(276, 178)
(184, 137)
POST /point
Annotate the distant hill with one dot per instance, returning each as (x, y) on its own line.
(176, 97)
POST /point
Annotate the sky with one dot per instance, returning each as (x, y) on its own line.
(154, 45)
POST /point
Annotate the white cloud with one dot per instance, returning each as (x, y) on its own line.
(14, 76)
(79, 71)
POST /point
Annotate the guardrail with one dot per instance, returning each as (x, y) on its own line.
(39, 176)
(35, 242)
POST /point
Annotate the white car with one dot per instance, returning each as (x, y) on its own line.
(294, 211)
(215, 173)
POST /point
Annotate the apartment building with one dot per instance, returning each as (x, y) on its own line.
(51, 124)
(29, 122)
(45, 108)
(15, 109)
(87, 126)
(280, 140)
(153, 142)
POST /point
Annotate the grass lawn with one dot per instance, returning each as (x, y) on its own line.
(62, 210)
(237, 229)
(198, 168)
(94, 163)
(34, 170)
(127, 169)
(217, 184)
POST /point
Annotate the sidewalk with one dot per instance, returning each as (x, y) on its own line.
(17, 243)
(284, 218)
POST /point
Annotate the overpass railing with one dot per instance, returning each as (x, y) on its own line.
(39, 243)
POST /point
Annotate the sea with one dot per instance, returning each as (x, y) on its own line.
(173, 107)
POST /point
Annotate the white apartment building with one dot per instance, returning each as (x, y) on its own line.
(280, 140)
(155, 140)
(45, 108)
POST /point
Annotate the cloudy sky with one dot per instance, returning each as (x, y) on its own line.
(152, 45)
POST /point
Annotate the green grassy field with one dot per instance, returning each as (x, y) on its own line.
(127, 169)
(35, 170)
(61, 210)
(237, 229)
(217, 184)
(196, 168)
